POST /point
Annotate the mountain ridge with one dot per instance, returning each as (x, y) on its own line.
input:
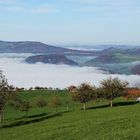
(38, 47)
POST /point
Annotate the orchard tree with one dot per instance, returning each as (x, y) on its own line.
(6, 94)
(112, 88)
(67, 102)
(99, 92)
(55, 102)
(25, 106)
(21, 105)
(84, 93)
(41, 102)
(132, 94)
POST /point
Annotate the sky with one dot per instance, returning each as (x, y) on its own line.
(71, 21)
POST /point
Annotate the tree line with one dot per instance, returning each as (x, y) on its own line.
(110, 89)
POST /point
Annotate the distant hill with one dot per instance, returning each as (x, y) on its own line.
(50, 59)
(136, 69)
(115, 55)
(126, 50)
(112, 58)
(29, 47)
(38, 47)
(116, 60)
(103, 59)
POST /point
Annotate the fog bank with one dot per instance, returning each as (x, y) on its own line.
(26, 75)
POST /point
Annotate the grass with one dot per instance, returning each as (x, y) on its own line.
(98, 122)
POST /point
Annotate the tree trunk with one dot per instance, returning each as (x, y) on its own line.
(1, 116)
(84, 106)
(111, 104)
(67, 108)
(26, 114)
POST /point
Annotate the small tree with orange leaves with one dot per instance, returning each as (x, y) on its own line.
(132, 94)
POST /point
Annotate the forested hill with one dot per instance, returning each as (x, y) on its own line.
(50, 59)
(136, 69)
(28, 47)
(38, 47)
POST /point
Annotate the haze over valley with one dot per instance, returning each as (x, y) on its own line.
(26, 65)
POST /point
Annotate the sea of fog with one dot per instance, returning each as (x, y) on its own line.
(26, 75)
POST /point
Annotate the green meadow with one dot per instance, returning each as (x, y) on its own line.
(70, 122)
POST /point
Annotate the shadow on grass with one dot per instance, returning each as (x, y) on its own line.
(125, 103)
(37, 115)
(115, 105)
(32, 116)
(98, 107)
(32, 119)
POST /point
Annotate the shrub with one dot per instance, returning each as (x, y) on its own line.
(55, 102)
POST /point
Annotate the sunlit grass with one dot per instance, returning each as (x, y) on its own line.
(99, 122)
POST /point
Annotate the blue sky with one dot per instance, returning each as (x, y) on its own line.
(71, 21)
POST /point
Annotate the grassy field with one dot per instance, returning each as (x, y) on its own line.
(98, 122)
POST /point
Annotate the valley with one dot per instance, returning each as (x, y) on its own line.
(114, 59)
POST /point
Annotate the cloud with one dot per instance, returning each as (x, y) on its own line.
(21, 74)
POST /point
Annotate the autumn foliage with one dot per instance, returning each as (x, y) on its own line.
(133, 94)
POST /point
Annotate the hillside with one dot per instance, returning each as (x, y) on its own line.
(116, 61)
(126, 50)
(28, 47)
(99, 122)
(136, 69)
(102, 59)
(38, 47)
(113, 58)
(50, 59)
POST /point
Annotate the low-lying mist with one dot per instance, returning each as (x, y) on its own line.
(26, 75)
